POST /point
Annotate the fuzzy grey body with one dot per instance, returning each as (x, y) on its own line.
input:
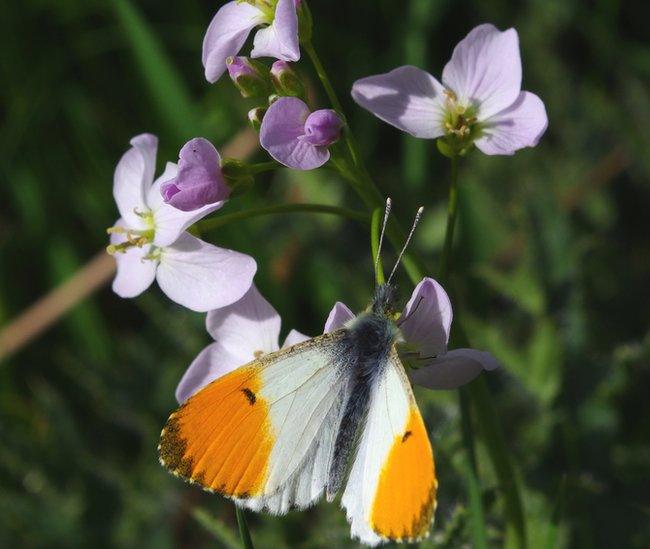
(363, 353)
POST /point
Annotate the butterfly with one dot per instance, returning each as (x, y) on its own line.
(333, 414)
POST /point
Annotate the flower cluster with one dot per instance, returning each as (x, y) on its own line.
(478, 103)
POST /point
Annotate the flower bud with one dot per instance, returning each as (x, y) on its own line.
(323, 128)
(285, 80)
(255, 117)
(199, 181)
(249, 76)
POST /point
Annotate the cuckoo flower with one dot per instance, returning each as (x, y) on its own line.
(425, 324)
(297, 138)
(199, 180)
(480, 99)
(251, 327)
(235, 20)
(242, 332)
(150, 241)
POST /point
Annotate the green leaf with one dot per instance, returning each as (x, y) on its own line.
(216, 527)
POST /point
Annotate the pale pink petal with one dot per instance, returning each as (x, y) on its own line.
(339, 315)
(280, 39)
(485, 70)
(133, 177)
(407, 97)
(520, 125)
(154, 197)
(201, 276)
(426, 320)
(294, 337)
(134, 273)
(212, 362)
(282, 127)
(226, 35)
(248, 326)
(170, 222)
(454, 369)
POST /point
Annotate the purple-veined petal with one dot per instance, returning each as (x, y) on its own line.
(248, 326)
(133, 177)
(407, 97)
(520, 125)
(201, 276)
(280, 39)
(199, 180)
(454, 369)
(293, 338)
(426, 320)
(212, 362)
(339, 315)
(282, 126)
(226, 35)
(134, 273)
(485, 70)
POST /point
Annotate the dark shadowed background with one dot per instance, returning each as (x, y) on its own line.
(552, 266)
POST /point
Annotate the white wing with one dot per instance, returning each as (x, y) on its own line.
(391, 490)
(263, 434)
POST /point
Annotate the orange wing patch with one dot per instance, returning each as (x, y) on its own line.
(221, 438)
(406, 492)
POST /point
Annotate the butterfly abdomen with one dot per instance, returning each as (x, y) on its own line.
(363, 352)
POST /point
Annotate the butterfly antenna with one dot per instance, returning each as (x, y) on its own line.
(389, 205)
(418, 215)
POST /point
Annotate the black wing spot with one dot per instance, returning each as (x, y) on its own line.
(406, 436)
(250, 395)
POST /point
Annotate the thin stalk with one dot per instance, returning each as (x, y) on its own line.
(375, 230)
(220, 221)
(452, 214)
(246, 540)
(261, 167)
(471, 469)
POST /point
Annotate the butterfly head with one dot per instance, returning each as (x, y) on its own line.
(384, 301)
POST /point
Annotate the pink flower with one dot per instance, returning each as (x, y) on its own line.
(251, 327)
(479, 101)
(425, 324)
(296, 137)
(149, 241)
(235, 20)
(242, 331)
(199, 181)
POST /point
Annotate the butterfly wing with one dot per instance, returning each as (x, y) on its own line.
(391, 490)
(263, 434)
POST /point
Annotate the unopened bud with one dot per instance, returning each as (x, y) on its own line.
(285, 80)
(323, 128)
(255, 117)
(249, 76)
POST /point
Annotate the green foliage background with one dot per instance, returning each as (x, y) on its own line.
(552, 266)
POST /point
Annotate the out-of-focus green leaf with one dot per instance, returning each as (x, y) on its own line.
(165, 84)
(222, 533)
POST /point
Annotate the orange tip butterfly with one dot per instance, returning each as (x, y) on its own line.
(333, 414)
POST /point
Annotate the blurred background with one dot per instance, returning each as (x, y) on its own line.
(552, 266)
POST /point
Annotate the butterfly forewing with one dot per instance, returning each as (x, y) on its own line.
(391, 490)
(262, 434)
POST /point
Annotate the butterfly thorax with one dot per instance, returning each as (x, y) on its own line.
(363, 352)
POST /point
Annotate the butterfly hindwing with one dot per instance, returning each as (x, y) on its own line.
(262, 433)
(391, 490)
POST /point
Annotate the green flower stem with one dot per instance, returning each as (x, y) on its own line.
(220, 221)
(246, 540)
(261, 167)
(452, 214)
(375, 231)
